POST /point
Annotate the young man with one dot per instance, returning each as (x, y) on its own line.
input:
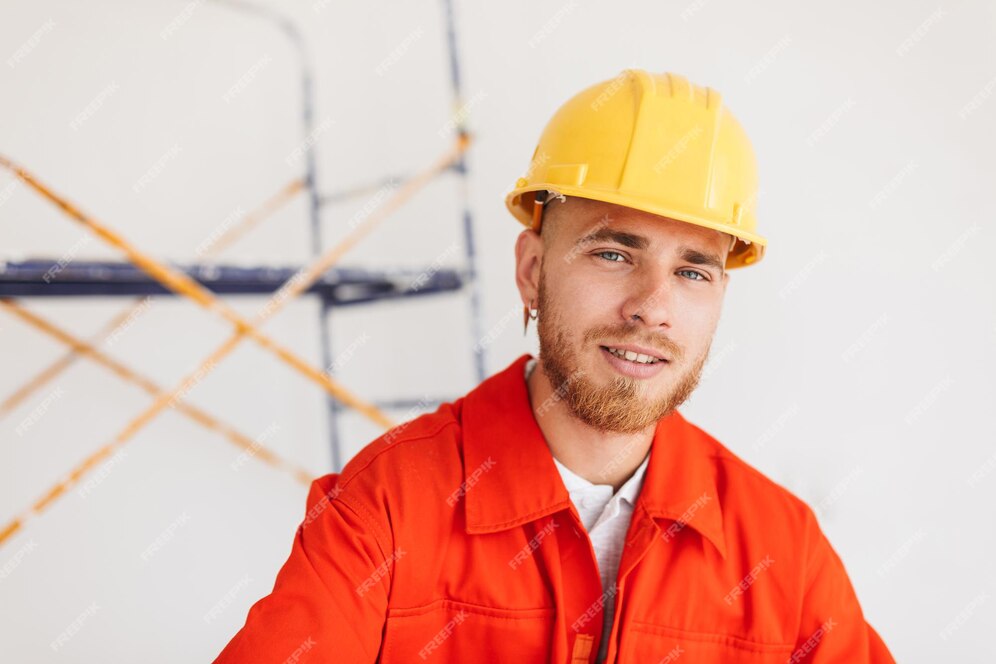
(564, 510)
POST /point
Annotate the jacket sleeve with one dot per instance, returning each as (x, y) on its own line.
(833, 628)
(329, 600)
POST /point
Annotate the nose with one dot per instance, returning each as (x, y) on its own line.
(649, 301)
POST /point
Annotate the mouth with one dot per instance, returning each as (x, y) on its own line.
(626, 361)
(635, 355)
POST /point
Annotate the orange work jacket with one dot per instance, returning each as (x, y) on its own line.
(451, 538)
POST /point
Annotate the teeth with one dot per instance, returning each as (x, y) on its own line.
(633, 357)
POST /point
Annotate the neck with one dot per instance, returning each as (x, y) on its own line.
(601, 457)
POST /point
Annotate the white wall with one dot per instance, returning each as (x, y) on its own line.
(855, 364)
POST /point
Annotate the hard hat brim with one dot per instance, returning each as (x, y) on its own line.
(748, 251)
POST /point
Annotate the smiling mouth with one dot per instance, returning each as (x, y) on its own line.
(635, 358)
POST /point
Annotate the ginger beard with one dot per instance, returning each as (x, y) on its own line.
(622, 406)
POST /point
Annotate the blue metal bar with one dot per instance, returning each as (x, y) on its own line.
(340, 286)
(311, 186)
(476, 327)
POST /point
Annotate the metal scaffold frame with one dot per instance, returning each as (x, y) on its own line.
(143, 275)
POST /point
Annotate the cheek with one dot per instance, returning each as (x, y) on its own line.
(578, 295)
(693, 322)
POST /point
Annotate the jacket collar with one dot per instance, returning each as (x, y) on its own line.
(510, 477)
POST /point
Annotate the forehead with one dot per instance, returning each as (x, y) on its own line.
(579, 218)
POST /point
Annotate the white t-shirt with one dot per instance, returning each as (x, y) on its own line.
(606, 517)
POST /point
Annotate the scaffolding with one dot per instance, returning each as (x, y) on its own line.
(141, 276)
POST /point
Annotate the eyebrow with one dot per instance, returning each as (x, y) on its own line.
(634, 241)
(699, 258)
(612, 235)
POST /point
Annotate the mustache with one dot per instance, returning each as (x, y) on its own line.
(664, 346)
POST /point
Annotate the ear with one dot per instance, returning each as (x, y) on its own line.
(528, 256)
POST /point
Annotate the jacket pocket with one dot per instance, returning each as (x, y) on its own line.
(644, 642)
(451, 631)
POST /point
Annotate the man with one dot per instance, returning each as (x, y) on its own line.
(564, 510)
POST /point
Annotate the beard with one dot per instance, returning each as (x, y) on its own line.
(621, 406)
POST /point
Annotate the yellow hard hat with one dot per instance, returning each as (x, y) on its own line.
(653, 142)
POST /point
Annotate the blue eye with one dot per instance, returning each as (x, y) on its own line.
(699, 275)
(612, 260)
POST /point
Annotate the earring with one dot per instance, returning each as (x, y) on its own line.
(528, 313)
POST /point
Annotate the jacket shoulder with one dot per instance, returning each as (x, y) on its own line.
(747, 494)
(427, 443)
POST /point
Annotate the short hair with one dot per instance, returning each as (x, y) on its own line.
(551, 217)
